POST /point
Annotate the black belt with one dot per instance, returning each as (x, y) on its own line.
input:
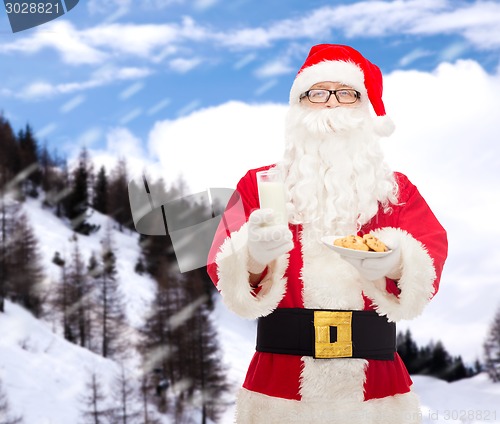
(327, 334)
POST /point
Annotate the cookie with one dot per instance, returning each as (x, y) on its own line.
(352, 242)
(374, 243)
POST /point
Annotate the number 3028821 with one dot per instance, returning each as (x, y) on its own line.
(31, 8)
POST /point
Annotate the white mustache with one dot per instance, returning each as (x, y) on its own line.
(336, 120)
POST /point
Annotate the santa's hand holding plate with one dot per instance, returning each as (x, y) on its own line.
(375, 268)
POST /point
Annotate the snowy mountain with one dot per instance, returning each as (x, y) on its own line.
(44, 376)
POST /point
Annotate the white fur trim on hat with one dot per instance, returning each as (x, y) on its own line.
(336, 71)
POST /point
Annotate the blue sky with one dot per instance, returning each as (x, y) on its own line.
(119, 63)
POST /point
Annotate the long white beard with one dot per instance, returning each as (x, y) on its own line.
(335, 174)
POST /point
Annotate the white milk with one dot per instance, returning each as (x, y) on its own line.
(272, 195)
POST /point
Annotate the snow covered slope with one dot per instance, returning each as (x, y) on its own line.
(44, 375)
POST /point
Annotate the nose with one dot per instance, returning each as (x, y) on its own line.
(332, 102)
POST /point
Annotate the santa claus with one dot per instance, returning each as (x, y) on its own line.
(326, 349)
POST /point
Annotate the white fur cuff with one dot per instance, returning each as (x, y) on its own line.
(232, 268)
(416, 282)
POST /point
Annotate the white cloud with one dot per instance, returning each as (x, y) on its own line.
(158, 106)
(131, 90)
(72, 103)
(356, 19)
(89, 137)
(245, 60)
(140, 40)
(160, 4)
(112, 7)
(122, 140)
(46, 130)
(130, 116)
(99, 44)
(452, 52)
(478, 23)
(212, 147)
(413, 56)
(189, 108)
(62, 37)
(102, 76)
(107, 7)
(204, 4)
(274, 68)
(183, 65)
(265, 87)
(121, 143)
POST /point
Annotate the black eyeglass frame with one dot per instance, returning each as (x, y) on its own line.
(330, 92)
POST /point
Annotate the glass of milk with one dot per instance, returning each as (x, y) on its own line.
(272, 194)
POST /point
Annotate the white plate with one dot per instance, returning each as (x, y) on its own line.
(351, 253)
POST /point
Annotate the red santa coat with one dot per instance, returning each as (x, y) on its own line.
(312, 276)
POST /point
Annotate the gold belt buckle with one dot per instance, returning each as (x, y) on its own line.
(323, 347)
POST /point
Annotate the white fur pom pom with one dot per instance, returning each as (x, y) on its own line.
(383, 126)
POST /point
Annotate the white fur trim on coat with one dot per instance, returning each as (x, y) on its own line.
(416, 282)
(336, 71)
(233, 284)
(256, 408)
(329, 282)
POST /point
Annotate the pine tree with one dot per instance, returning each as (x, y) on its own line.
(95, 410)
(94, 270)
(492, 349)
(100, 199)
(157, 346)
(432, 359)
(9, 208)
(148, 386)
(441, 360)
(206, 371)
(118, 204)
(57, 187)
(30, 158)
(61, 300)
(179, 335)
(27, 272)
(47, 168)
(408, 350)
(5, 414)
(77, 202)
(4, 241)
(126, 400)
(78, 299)
(457, 370)
(10, 157)
(54, 184)
(110, 308)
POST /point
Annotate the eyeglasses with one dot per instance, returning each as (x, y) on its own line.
(344, 95)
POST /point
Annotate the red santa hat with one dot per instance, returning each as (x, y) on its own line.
(337, 63)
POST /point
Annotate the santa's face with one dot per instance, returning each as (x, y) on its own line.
(335, 174)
